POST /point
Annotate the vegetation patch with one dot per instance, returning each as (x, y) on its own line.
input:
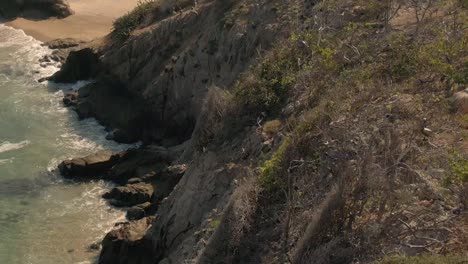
(271, 172)
(125, 25)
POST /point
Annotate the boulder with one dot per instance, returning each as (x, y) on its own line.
(89, 167)
(80, 65)
(69, 99)
(460, 102)
(130, 194)
(127, 244)
(137, 163)
(135, 213)
(140, 211)
(37, 9)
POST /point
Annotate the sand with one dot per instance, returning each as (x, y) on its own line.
(92, 19)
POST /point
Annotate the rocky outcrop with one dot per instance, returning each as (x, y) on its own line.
(34, 8)
(130, 194)
(159, 77)
(80, 65)
(127, 244)
(89, 167)
(152, 87)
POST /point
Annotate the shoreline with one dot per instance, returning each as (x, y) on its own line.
(90, 21)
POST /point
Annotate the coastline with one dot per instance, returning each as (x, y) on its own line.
(91, 20)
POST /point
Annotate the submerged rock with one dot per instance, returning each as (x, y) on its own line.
(91, 166)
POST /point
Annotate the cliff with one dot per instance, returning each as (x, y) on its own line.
(309, 132)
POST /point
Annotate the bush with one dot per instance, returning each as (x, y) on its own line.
(459, 168)
(125, 25)
(270, 177)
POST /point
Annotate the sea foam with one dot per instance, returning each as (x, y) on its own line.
(8, 146)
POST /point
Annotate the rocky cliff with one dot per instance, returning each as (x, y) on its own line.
(301, 129)
(34, 8)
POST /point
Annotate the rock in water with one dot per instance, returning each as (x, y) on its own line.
(127, 243)
(130, 194)
(89, 167)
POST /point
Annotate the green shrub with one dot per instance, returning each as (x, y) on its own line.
(446, 57)
(270, 174)
(125, 25)
(267, 88)
(459, 168)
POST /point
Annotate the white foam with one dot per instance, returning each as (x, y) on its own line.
(27, 53)
(8, 146)
(6, 161)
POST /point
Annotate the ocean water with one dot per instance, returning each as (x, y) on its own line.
(43, 218)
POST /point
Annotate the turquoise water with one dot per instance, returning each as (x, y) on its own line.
(44, 219)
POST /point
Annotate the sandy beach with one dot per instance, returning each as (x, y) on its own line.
(92, 19)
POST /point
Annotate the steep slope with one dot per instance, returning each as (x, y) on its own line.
(318, 131)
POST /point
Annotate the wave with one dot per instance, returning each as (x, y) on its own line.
(8, 146)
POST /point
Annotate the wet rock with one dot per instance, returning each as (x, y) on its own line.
(137, 163)
(127, 243)
(96, 246)
(130, 194)
(43, 79)
(80, 65)
(122, 136)
(113, 107)
(140, 211)
(91, 166)
(69, 99)
(135, 213)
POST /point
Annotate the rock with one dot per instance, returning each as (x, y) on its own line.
(140, 211)
(34, 9)
(130, 194)
(89, 167)
(43, 79)
(69, 99)
(80, 65)
(96, 246)
(122, 136)
(63, 43)
(135, 213)
(460, 102)
(127, 243)
(114, 107)
(136, 163)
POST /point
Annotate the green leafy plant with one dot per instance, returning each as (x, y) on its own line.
(270, 173)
